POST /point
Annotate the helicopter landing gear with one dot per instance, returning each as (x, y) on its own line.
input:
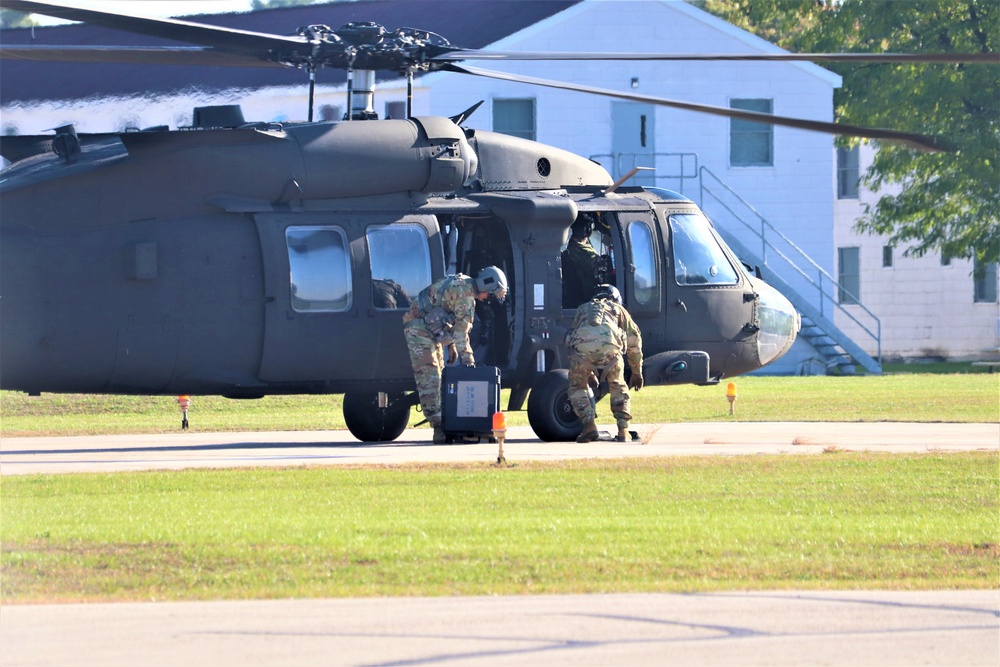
(549, 411)
(368, 420)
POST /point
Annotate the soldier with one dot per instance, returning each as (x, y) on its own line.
(602, 332)
(441, 316)
(581, 263)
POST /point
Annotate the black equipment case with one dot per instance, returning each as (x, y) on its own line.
(469, 398)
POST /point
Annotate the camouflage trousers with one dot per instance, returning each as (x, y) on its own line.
(427, 359)
(581, 368)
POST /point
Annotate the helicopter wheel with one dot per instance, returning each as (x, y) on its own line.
(549, 411)
(369, 423)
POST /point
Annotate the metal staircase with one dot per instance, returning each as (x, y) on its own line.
(810, 288)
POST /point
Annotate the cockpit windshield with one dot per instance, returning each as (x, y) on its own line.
(698, 257)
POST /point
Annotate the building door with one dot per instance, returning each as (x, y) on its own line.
(633, 140)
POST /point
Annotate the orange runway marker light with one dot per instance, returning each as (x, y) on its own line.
(500, 432)
(731, 396)
(184, 402)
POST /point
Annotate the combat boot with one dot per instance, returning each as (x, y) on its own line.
(589, 433)
(623, 435)
(439, 437)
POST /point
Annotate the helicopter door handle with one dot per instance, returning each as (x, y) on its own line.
(682, 305)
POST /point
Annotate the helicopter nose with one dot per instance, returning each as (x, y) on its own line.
(779, 323)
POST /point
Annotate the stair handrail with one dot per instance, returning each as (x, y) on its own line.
(765, 225)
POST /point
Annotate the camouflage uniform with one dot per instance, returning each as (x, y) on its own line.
(440, 316)
(602, 331)
(581, 264)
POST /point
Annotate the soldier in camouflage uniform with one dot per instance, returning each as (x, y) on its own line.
(602, 332)
(580, 263)
(442, 315)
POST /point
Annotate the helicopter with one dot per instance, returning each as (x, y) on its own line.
(258, 258)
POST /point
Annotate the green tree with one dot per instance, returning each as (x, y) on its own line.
(11, 19)
(947, 201)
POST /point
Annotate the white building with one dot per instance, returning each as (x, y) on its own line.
(929, 307)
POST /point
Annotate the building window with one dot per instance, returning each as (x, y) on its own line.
(400, 264)
(984, 278)
(515, 117)
(887, 256)
(849, 275)
(848, 173)
(330, 112)
(395, 110)
(320, 269)
(751, 144)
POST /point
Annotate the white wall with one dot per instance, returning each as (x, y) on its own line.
(926, 309)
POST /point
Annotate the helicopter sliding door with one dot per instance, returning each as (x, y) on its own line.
(336, 287)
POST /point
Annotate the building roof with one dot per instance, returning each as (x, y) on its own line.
(466, 24)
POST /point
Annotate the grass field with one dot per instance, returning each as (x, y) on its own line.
(831, 521)
(923, 397)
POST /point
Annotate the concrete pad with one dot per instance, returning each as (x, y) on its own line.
(194, 449)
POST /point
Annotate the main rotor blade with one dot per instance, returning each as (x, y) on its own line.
(918, 141)
(144, 55)
(477, 54)
(256, 44)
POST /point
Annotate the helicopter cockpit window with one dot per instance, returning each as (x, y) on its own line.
(643, 262)
(698, 257)
(400, 264)
(320, 267)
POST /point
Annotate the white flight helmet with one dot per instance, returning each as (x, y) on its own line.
(492, 281)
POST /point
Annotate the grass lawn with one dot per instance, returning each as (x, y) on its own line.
(832, 521)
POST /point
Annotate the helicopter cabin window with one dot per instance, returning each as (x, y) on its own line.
(400, 264)
(515, 117)
(643, 262)
(698, 257)
(320, 267)
(751, 144)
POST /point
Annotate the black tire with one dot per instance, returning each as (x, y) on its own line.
(549, 412)
(369, 423)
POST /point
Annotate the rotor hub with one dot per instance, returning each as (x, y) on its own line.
(367, 46)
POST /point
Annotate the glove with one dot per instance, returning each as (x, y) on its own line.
(593, 382)
(636, 381)
(452, 354)
(469, 363)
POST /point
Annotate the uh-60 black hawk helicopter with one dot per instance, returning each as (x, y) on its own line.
(280, 257)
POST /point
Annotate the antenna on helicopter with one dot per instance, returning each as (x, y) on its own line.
(458, 119)
(617, 184)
